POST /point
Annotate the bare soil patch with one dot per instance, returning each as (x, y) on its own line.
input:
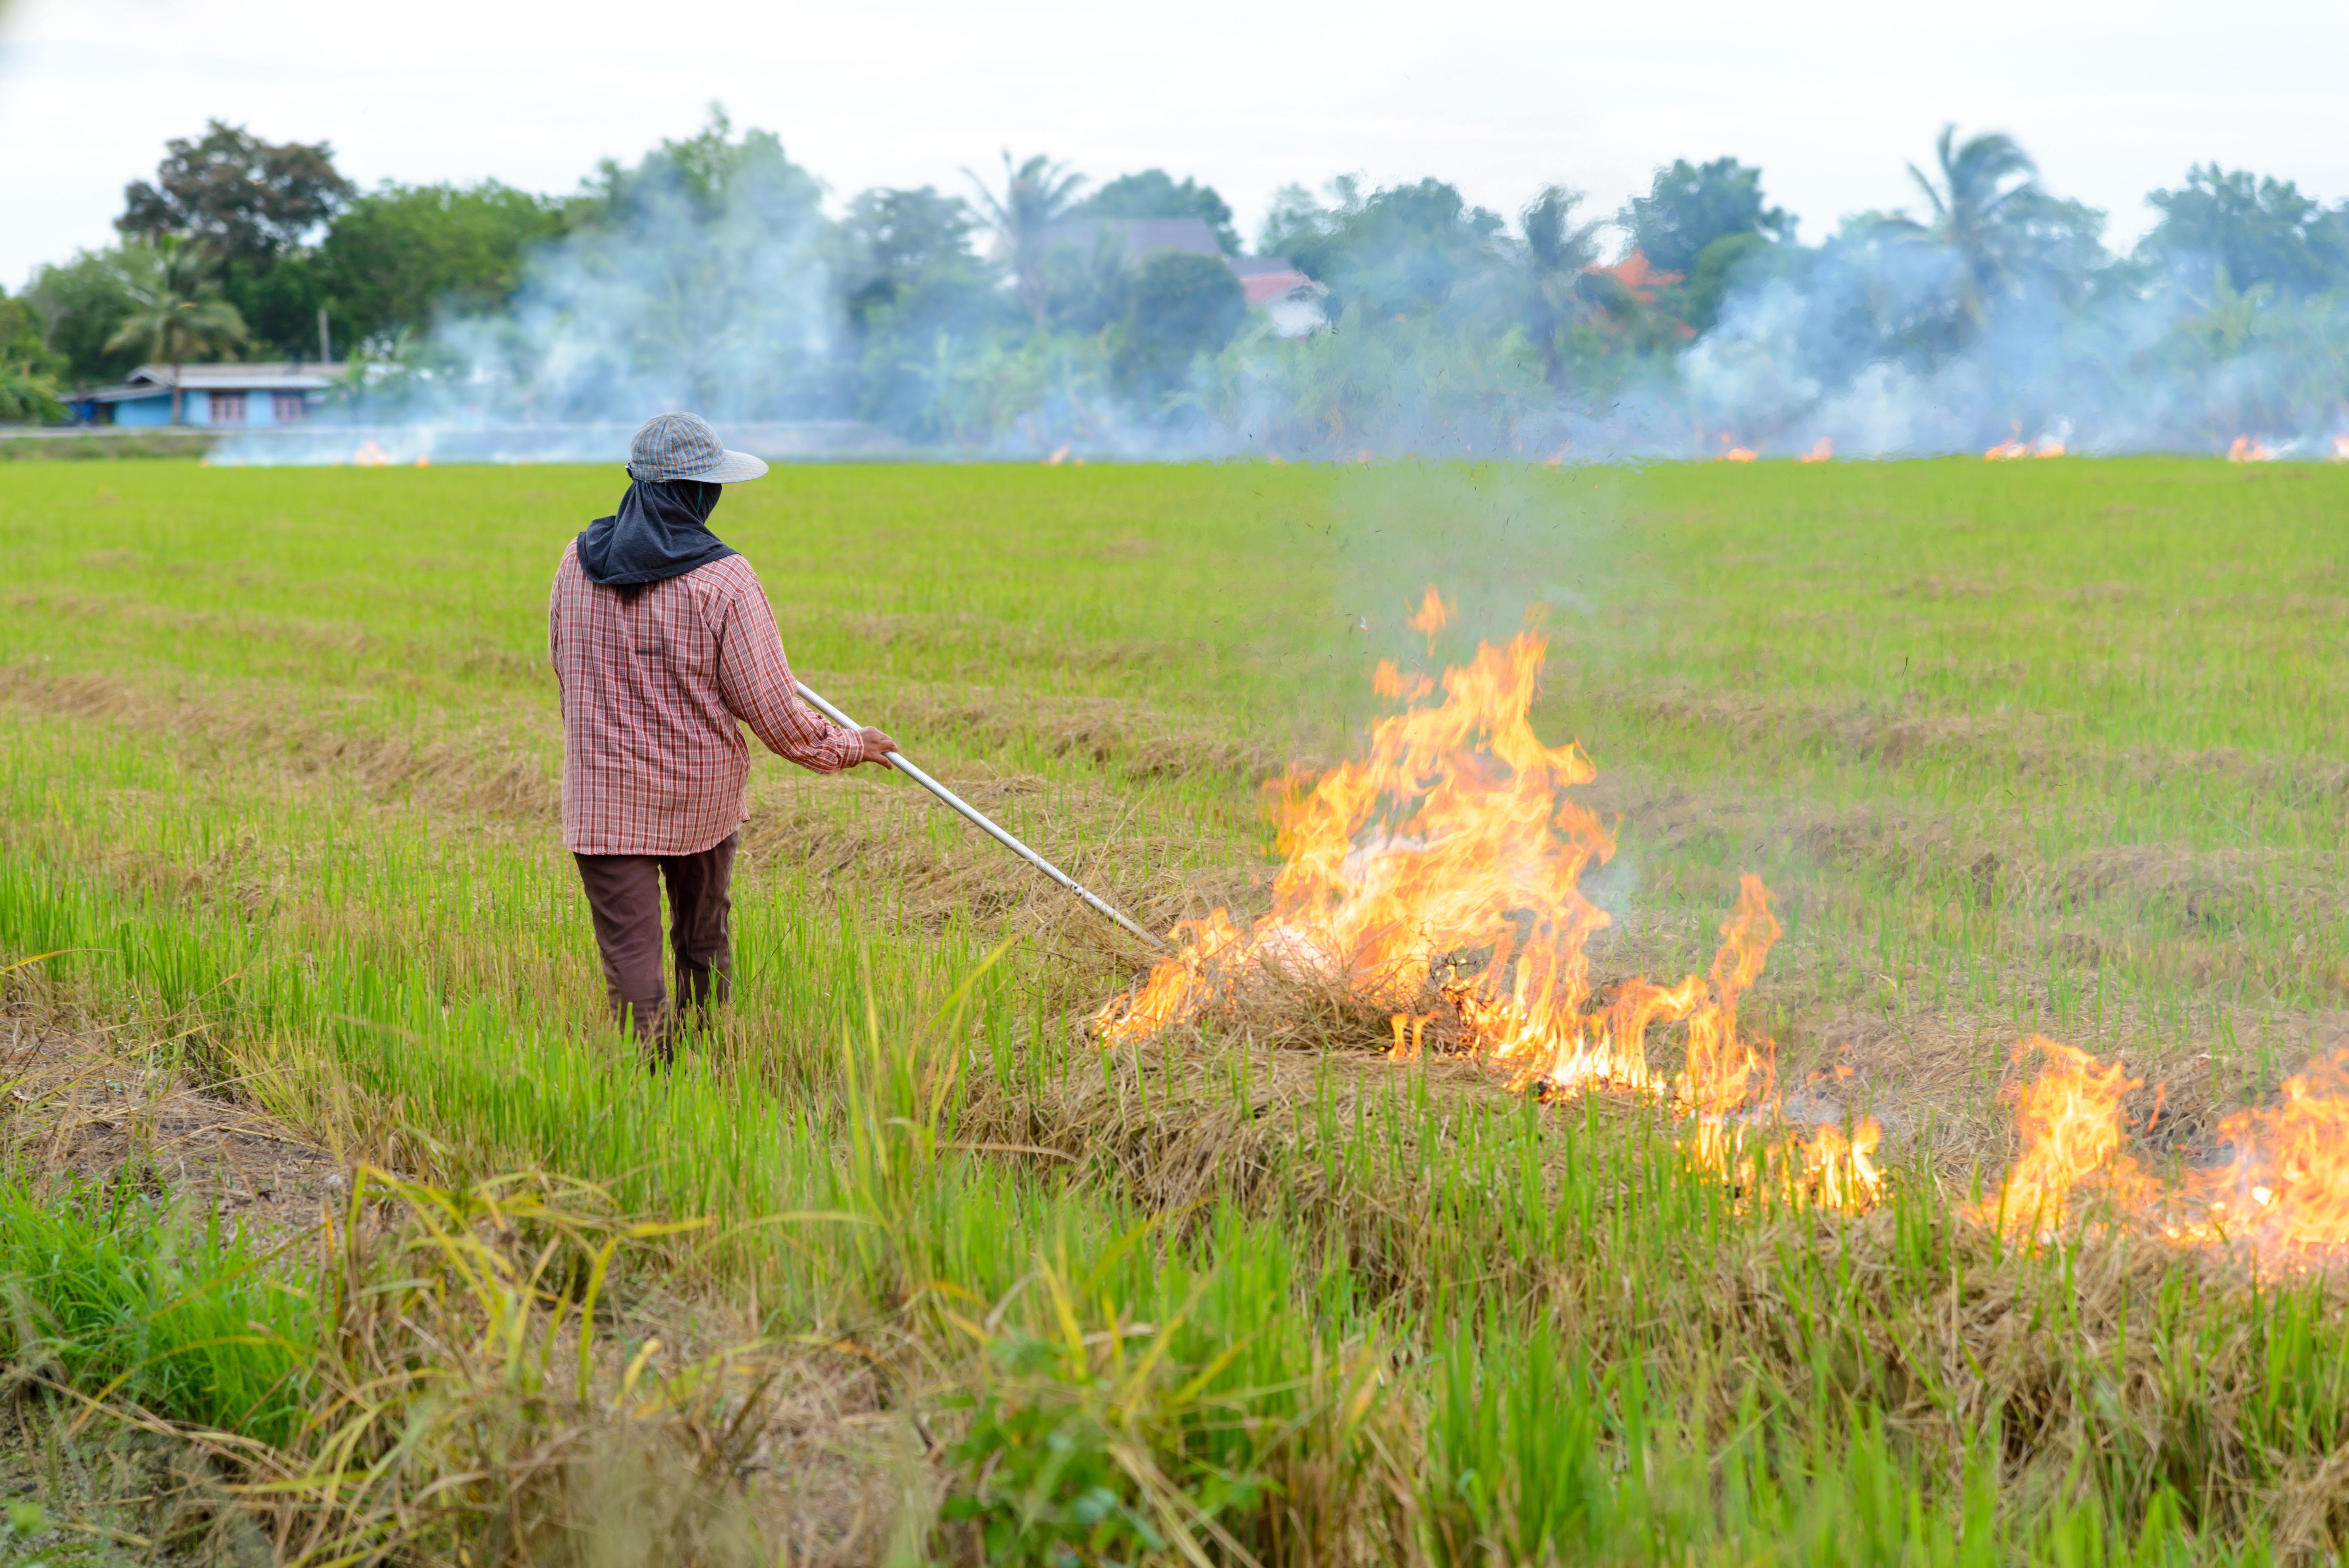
(75, 1109)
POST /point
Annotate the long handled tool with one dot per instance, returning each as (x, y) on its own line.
(980, 819)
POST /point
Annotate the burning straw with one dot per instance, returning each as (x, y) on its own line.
(1435, 879)
(2280, 1194)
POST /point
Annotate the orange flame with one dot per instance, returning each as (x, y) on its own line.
(1437, 877)
(1737, 455)
(2341, 448)
(2070, 1122)
(2283, 1197)
(2014, 446)
(2249, 450)
(1432, 615)
(1822, 451)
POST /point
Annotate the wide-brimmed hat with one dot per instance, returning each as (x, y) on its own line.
(684, 446)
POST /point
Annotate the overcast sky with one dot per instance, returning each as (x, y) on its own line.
(1832, 99)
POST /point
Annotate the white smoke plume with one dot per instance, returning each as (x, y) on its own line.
(710, 279)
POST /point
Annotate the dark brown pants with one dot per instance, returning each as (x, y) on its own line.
(623, 895)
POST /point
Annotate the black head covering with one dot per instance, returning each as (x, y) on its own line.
(660, 530)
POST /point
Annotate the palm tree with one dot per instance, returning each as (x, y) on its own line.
(1987, 194)
(1556, 254)
(176, 308)
(1035, 195)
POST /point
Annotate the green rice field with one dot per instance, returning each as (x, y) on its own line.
(902, 1264)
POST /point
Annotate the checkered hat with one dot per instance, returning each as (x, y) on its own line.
(684, 446)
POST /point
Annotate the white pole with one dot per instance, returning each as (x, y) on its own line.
(980, 819)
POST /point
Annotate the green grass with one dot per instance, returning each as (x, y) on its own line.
(117, 1296)
(2022, 746)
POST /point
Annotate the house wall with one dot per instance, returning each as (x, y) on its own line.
(154, 408)
(148, 411)
(196, 409)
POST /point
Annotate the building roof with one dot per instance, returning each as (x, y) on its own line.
(1264, 278)
(259, 375)
(1137, 237)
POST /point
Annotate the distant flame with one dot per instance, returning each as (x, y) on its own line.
(2252, 450)
(1822, 451)
(371, 455)
(1437, 877)
(2017, 446)
(1738, 455)
(2341, 448)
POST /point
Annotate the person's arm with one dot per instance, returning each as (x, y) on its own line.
(755, 680)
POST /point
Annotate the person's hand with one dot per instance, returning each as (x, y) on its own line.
(876, 743)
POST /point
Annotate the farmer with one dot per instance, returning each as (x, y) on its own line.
(662, 638)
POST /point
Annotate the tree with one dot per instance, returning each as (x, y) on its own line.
(81, 302)
(253, 200)
(28, 367)
(1399, 250)
(1554, 254)
(1152, 194)
(400, 257)
(1989, 210)
(1707, 288)
(2256, 231)
(916, 298)
(1035, 195)
(890, 239)
(176, 311)
(1179, 305)
(1692, 206)
(694, 277)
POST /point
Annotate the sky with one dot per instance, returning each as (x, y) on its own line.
(1832, 99)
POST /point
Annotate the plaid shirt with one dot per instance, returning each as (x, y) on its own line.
(652, 762)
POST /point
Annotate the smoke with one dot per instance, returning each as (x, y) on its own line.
(708, 278)
(1866, 348)
(697, 280)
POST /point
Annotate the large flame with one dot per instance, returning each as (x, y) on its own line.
(2284, 1194)
(1437, 877)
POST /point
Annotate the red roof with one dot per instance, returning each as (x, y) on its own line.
(1262, 287)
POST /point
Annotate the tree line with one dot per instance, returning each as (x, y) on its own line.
(710, 271)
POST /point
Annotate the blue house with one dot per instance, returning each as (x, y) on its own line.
(214, 396)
